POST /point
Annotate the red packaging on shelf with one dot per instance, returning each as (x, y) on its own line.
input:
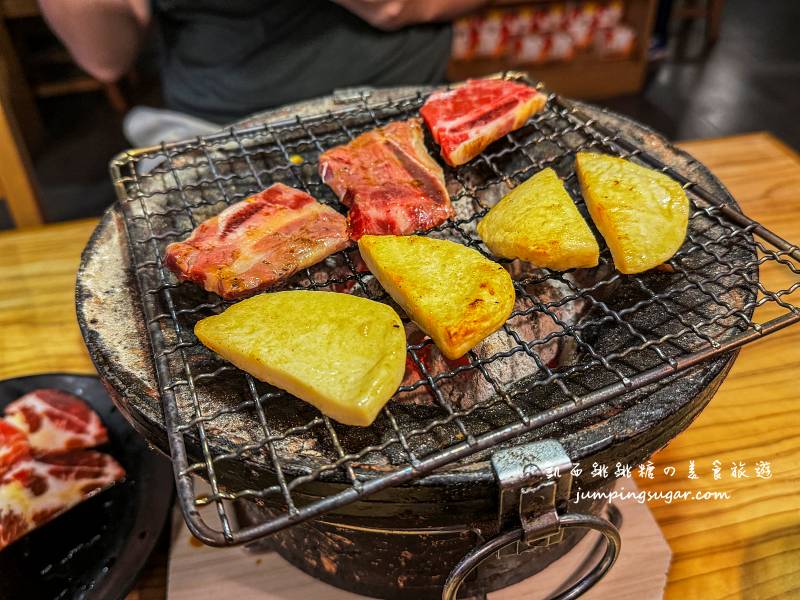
(492, 35)
(465, 38)
(531, 48)
(519, 22)
(561, 47)
(549, 18)
(609, 15)
(540, 48)
(581, 33)
(580, 23)
(617, 41)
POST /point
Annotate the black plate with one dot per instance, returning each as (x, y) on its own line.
(95, 550)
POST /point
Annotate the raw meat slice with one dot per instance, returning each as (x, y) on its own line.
(56, 421)
(35, 490)
(468, 118)
(388, 180)
(258, 242)
(13, 445)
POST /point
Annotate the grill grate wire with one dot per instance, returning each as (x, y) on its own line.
(705, 309)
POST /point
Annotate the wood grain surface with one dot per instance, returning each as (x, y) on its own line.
(38, 328)
(745, 547)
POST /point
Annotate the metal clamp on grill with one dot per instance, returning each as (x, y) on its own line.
(535, 482)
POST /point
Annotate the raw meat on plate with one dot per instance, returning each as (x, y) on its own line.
(35, 490)
(13, 445)
(468, 118)
(54, 421)
(45, 467)
(388, 180)
(258, 242)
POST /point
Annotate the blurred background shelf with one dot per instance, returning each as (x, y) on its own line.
(586, 76)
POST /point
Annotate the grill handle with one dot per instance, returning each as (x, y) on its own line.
(534, 481)
(607, 527)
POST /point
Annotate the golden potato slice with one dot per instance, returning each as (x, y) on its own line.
(642, 214)
(538, 222)
(343, 354)
(456, 295)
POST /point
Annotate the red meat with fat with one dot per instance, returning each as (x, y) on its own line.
(56, 421)
(35, 490)
(45, 466)
(466, 119)
(13, 445)
(256, 243)
(388, 180)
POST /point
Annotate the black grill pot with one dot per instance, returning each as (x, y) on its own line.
(401, 542)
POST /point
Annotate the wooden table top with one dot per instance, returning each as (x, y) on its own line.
(747, 546)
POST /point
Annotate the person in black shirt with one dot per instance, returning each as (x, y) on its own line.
(221, 60)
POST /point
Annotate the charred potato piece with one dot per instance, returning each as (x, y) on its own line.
(455, 294)
(641, 213)
(538, 222)
(341, 353)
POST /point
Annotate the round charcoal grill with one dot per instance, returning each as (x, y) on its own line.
(592, 367)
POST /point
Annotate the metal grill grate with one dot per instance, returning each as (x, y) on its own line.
(575, 339)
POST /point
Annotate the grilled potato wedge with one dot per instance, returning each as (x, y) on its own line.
(641, 213)
(343, 354)
(452, 292)
(538, 222)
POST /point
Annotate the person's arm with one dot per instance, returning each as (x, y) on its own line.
(103, 36)
(394, 14)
